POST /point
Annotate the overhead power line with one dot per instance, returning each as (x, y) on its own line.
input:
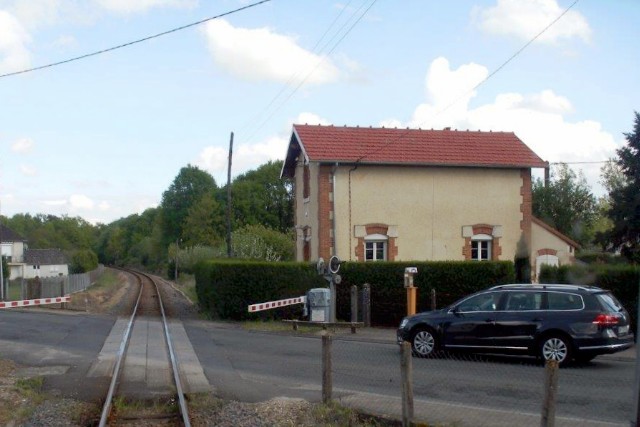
(493, 73)
(323, 56)
(164, 33)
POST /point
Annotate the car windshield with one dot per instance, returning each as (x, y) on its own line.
(609, 302)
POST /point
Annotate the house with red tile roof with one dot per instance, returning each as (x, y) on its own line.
(368, 194)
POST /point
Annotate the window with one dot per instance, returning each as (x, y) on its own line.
(483, 302)
(306, 178)
(375, 251)
(375, 247)
(523, 301)
(563, 301)
(481, 247)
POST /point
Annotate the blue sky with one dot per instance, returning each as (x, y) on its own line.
(103, 137)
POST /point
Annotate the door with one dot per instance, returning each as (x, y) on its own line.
(473, 321)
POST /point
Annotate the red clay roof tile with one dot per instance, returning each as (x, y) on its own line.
(415, 146)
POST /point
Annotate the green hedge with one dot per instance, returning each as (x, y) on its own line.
(621, 280)
(452, 280)
(226, 288)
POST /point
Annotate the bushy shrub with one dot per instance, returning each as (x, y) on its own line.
(82, 261)
(256, 242)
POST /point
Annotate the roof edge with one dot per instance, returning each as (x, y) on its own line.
(555, 232)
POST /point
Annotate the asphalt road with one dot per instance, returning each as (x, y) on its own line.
(255, 366)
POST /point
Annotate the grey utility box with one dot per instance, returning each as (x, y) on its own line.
(319, 304)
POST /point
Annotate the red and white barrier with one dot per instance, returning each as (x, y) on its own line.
(31, 302)
(276, 304)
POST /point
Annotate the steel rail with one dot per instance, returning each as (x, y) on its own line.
(106, 410)
(124, 344)
(174, 362)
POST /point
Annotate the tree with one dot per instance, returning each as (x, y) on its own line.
(625, 198)
(261, 197)
(566, 203)
(260, 243)
(204, 224)
(188, 187)
(82, 261)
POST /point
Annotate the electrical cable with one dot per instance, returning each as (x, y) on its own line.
(335, 45)
(164, 33)
(494, 72)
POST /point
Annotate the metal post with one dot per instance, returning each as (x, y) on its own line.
(332, 300)
(406, 375)
(635, 422)
(548, 418)
(366, 304)
(327, 384)
(354, 303)
(176, 264)
(229, 199)
(433, 299)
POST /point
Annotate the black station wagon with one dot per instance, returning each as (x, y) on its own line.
(553, 322)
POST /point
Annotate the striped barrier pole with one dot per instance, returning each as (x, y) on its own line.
(276, 304)
(33, 302)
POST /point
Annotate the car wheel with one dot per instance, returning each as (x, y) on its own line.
(556, 347)
(424, 343)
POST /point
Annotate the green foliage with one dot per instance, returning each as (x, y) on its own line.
(188, 188)
(49, 231)
(261, 197)
(204, 224)
(226, 288)
(566, 204)
(452, 280)
(625, 198)
(134, 241)
(257, 242)
(83, 261)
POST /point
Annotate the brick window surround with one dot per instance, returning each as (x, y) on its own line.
(496, 249)
(547, 252)
(392, 247)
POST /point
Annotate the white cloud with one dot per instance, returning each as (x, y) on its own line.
(137, 6)
(526, 18)
(54, 202)
(28, 170)
(22, 145)
(104, 206)
(248, 156)
(14, 55)
(261, 54)
(65, 41)
(538, 119)
(80, 202)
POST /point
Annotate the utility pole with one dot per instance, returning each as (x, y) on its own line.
(229, 201)
(2, 297)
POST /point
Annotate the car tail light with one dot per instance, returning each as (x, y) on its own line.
(606, 320)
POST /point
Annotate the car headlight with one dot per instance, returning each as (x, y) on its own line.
(403, 323)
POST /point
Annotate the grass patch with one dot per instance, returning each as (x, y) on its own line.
(125, 407)
(187, 284)
(107, 280)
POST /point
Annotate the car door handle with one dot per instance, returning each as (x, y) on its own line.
(536, 319)
(490, 320)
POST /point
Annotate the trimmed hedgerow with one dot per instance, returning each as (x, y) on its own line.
(226, 288)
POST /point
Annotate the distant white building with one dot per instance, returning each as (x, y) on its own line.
(44, 263)
(29, 263)
(12, 247)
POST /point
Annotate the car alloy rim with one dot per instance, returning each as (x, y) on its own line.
(424, 342)
(554, 349)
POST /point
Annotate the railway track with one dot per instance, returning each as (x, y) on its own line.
(145, 387)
